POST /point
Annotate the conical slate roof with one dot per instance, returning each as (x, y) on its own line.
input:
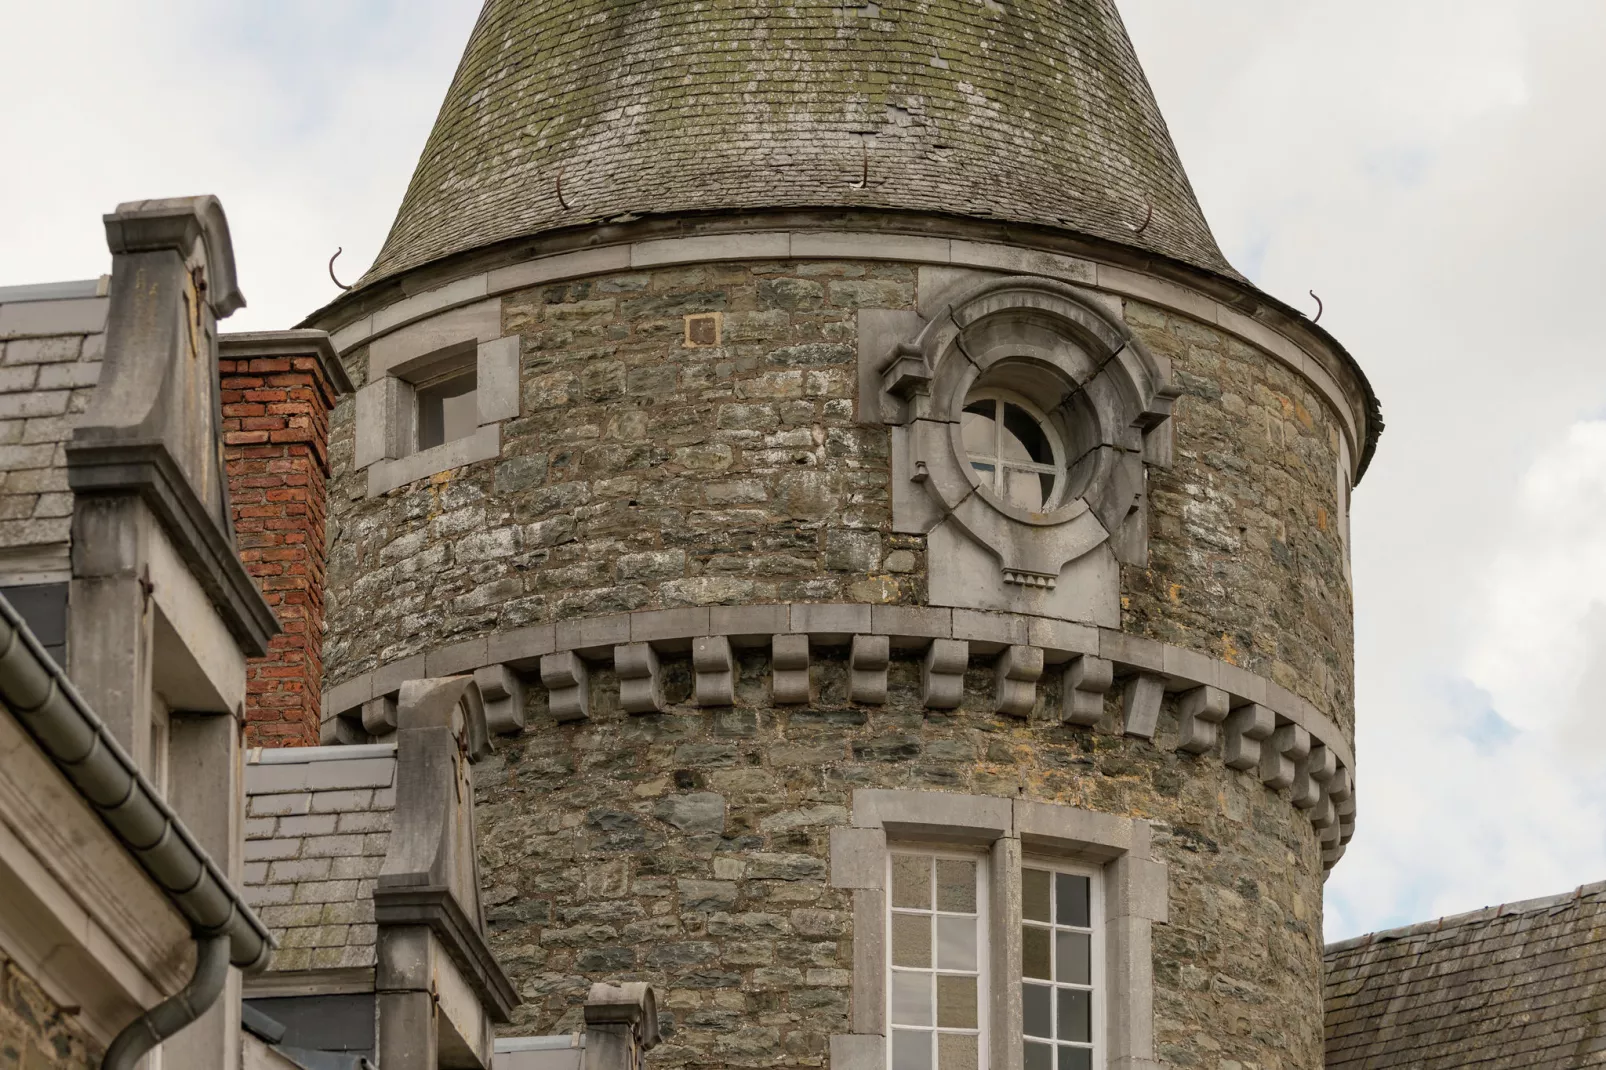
(1032, 111)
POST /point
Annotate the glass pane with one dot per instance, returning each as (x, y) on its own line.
(956, 885)
(1023, 489)
(1071, 909)
(1076, 1014)
(1037, 1010)
(976, 428)
(1076, 1058)
(1034, 894)
(911, 881)
(911, 998)
(911, 1050)
(1023, 438)
(956, 1002)
(1034, 952)
(956, 1051)
(956, 943)
(911, 940)
(1039, 1056)
(1073, 953)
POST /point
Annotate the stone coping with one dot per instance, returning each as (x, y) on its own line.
(1325, 371)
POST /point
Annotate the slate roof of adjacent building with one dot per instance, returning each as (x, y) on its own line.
(1518, 985)
(1035, 111)
(318, 821)
(52, 339)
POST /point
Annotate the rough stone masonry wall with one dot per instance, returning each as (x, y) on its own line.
(645, 474)
(690, 849)
(36, 1033)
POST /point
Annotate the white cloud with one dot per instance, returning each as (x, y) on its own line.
(1432, 168)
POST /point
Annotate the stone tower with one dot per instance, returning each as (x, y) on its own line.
(907, 563)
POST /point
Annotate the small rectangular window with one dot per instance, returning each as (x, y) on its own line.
(936, 956)
(1061, 953)
(448, 408)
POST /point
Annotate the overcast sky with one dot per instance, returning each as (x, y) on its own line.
(1432, 169)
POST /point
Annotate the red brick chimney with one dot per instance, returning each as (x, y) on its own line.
(278, 388)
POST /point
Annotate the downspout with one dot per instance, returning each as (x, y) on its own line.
(179, 1010)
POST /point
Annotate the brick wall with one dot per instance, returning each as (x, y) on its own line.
(278, 389)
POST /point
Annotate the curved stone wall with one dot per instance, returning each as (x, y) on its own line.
(646, 474)
(651, 489)
(690, 848)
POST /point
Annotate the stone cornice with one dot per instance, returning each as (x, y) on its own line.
(1261, 724)
(1222, 301)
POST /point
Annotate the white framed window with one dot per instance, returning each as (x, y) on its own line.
(936, 960)
(1013, 449)
(1062, 959)
(1059, 914)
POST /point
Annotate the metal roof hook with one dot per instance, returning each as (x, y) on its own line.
(557, 187)
(1319, 308)
(332, 278)
(1147, 216)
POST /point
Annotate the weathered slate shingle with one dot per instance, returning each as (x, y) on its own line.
(1520, 985)
(318, 822)
(1033, 111)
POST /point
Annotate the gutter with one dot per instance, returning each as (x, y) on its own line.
(49, 708)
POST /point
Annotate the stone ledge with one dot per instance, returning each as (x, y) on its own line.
(909, 628)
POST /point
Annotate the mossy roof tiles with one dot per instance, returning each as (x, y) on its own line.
(1521, 985)
(1032, 111)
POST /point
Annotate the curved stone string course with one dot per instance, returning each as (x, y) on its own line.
(1107, 680)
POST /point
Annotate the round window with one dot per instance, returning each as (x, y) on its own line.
(1013, 449)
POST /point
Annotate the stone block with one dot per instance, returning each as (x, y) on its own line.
(869, 959)
(457, 658)
(830, 624)
(670, 629)
(1087, 679)
(867, 667)
(496, 369)
(349, 695)
(1246, 727)
(1131, 650)
(521, 648)
(789, 665)
(594, 636)
(858, 1051)
(910, 626)
(858, 857)
(1140, 704)
(383, 416)
(714, 670)
(1199, 712)
(389, 677)
(568, 686)
(502, 690)
(641, 685)
(379, 715)
(1286, 745)
(1015, 675)
(749, 625)
(988, 633)
(1311, 776)
(942, 673)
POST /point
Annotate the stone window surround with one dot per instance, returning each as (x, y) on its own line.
(385, 414)
(1135, 898)
(1309, 355)
(1259, 724)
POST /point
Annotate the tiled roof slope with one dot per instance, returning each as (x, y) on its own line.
(318, 821)
(1520, 985)
(51, 343)
(1035, 111)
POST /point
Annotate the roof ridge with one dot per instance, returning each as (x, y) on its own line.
(1488, 913)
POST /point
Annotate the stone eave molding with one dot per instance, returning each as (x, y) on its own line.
(1233, 306)
(1260, 725)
